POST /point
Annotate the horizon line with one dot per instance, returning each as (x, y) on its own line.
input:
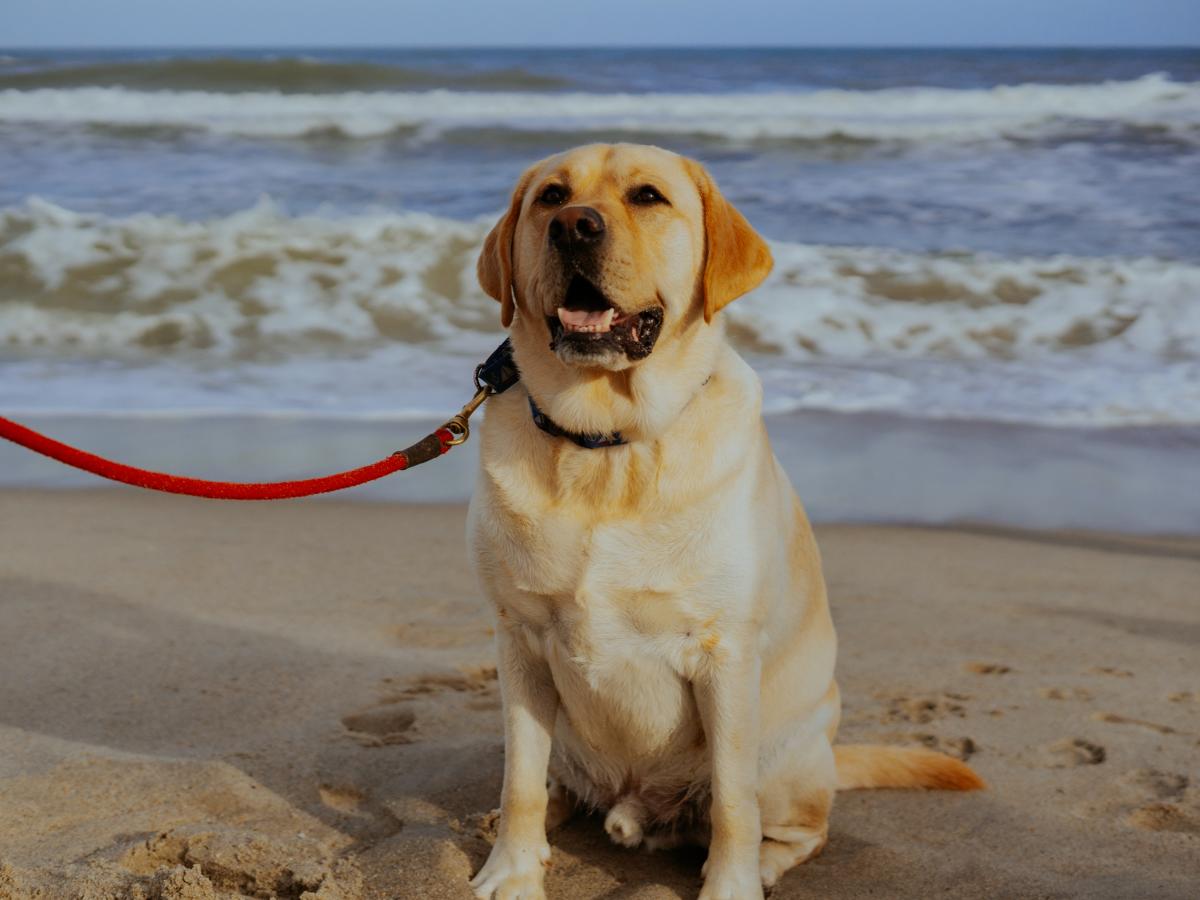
(636, 46)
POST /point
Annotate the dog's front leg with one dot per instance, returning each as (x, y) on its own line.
(727, 696)
(515, 868)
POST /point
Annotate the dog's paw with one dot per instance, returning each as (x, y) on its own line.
(777, 856)
(773, 861)
(732, 882)
(513, 872)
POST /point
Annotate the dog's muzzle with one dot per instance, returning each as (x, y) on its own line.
(587, 324)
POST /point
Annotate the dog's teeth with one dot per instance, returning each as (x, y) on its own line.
(574, 320)
(633, 332)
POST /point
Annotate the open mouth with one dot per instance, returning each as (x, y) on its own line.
(587, 323)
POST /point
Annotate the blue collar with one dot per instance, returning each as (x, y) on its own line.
(499, 373)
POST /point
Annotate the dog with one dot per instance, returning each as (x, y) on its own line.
(665, 649)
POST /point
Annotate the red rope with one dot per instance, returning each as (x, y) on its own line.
(224, 490)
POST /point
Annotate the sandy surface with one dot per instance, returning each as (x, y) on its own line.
(204, 700)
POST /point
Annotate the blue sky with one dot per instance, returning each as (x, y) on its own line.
(608, 22)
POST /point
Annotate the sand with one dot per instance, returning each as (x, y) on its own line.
(203, 700)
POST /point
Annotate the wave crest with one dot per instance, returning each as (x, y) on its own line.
(261, 284)
(1153, 104)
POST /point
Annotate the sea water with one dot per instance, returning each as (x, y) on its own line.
(1003, 244)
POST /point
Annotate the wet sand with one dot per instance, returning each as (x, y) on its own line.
(848, 467)
(203, 700)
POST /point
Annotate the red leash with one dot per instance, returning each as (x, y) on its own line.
(430, 447)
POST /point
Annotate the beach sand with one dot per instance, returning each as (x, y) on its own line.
(203, 700)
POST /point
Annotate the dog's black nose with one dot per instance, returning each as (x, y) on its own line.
(576, 226)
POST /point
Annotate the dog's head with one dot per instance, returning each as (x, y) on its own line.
(607, 250)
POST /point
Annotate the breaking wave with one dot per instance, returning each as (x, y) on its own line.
(1152, 106)
(260, 283)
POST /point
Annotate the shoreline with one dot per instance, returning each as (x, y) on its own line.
(866, 467)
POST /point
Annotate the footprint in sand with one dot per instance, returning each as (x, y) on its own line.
(922, 710)
(986, 668)
(1071, 752)
(1164, 817)
(1161, 800)
(434, 696)
(478, 683)
(344, 799)
(1144, 784)
(478, 680)
(1057, 693)
(1109, 670)
(366, 820)
(381, 727)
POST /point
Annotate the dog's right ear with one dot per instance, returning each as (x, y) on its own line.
(495, 266)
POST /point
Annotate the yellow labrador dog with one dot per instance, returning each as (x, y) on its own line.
(665, 648)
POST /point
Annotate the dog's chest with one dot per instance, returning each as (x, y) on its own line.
(622, 636)
(611, 598)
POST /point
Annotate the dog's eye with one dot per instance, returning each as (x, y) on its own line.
(648, 195)
(552, 195)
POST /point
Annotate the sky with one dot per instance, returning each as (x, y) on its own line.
(131, 23)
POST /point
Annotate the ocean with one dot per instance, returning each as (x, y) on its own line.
(975, 249)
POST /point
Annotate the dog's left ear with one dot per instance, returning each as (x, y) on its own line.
(736, 258)
(495, 265)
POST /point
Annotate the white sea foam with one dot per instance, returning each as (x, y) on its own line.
(261, 282)
(253, 282)
(862, 302)
(260, 310)
(893, 114)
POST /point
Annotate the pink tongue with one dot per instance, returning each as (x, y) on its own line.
(580, 317)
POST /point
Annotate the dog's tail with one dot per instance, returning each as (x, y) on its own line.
(876, 766)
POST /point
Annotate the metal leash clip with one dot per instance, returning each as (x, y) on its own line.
(458, 425)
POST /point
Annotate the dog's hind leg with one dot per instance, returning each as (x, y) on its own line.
(795, 800)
